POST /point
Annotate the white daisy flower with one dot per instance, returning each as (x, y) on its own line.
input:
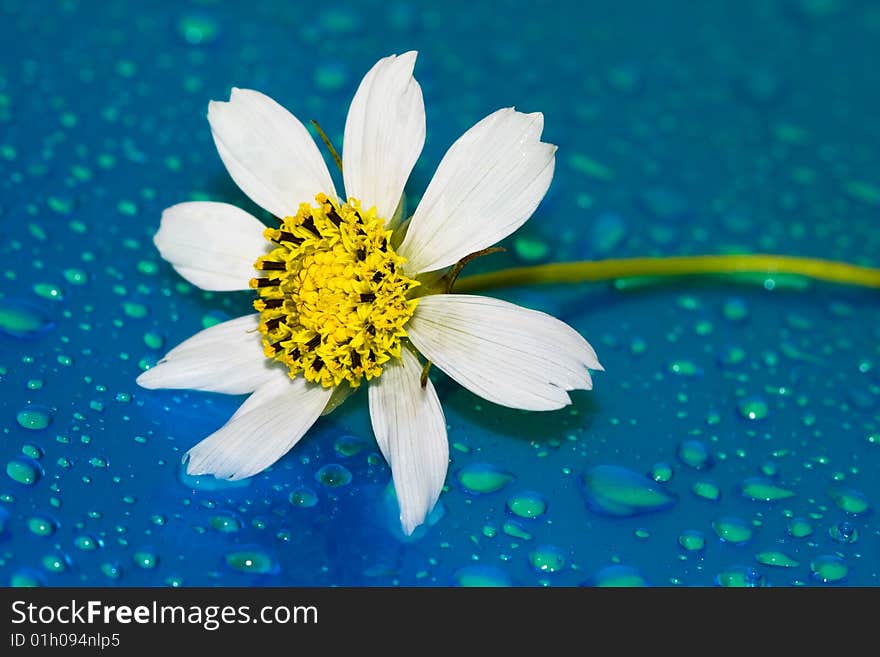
(341, 300)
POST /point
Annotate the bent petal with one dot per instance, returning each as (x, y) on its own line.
(269, 423)
(384, 134)
(212, 245)
(488, 184)
(225, 358)
(268, 152)
(502, 352)
(411, 432)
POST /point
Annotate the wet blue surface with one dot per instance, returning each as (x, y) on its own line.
(736, 431)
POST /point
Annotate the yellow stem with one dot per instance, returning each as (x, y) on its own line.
(603, 270)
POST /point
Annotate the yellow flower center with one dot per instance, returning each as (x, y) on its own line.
(333, 303)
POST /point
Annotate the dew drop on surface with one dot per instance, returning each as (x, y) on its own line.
(482, 478)
(111, 570)
(695, 454)
(615, 491)
(34, 418)
(732, 530)
(55, 563)
(759, 489)
(23, 470)
(850, 500)
(348, 445)
(547, 559)
(198, 29)
(828, 568)
(26, 578)
(303, 498)
(779, 559)
(692, 540)
(799, 527)
(740, 577)
(145, 559)
(41, 525)
(527, 504)
(225, 523)
(844, 532)
(753, 408)
(86, 543)
(250, 561)
(617, 577)
(706, 489)
(19, 320)
(481, 576)
(333, 475)
(661, 472)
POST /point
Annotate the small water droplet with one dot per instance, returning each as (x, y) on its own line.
(481, 577)
(753, 408)
(250, 561)
(617, 577)
(732, 530)
(547, 559)
(764, 490)
(303, 498)
(694, 454)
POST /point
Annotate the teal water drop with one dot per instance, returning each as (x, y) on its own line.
(616, 491)
(483, 478)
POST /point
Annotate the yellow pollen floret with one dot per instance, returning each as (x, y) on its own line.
(333, 301)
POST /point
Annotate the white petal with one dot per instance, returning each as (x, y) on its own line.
(268, 425)
(212, 245)
(227, 358)
(411, 432)
(268, 152)
(384, 134)
(488, 184)
(505, 353)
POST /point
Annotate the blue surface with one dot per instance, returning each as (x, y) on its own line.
(683, 128)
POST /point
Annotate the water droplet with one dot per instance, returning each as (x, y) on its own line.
(26, 578)
(740, 577)
(844, 532)
(732, 530)
(111, 570)
(198, 29)
(349, 445)
(483, 478)
(779, 559)
(706, 489)
(850, 500)
(527, 504)
(661, 472)
(56, 563)
(547, 559)
(333, 475)
(481, 577)
(48, 291)
(764, 490)
(695, 454)
(145, 559)
(24, 470)
(34, 418)
(225, 523)
(251, 561)
(753, 408)
(19, 320)
(87, 543)
(692, 540)
(303, 498)
(617, 577)
(799, 528)
(685, 368)
(42, 525)
(829, 568)
(616, 491)
(735, 309)
(516, 530)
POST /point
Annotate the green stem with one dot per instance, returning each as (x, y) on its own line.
(603, 270)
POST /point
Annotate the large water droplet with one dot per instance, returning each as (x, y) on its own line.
(527, 504)
(850, 500)
(616, 491)
(24, 470)
(251, 561)
(483, 478)
(333, 475)
(34, 418)
(20, 320)
(547, 559)
(732, 530)
(829, 568)
(764, 490)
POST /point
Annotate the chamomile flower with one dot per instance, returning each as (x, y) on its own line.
(346, 291)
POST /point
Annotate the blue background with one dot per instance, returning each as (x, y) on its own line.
(682, 127)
